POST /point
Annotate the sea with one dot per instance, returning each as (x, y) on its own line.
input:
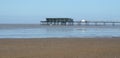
(57, 31)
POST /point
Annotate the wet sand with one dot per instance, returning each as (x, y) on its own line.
(60, 48)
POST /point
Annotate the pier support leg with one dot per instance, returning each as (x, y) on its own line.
(104, 23)
(87, 24)
(113, 24)
(96, 23)
(78, 23)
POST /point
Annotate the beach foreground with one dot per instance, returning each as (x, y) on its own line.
(60, 48)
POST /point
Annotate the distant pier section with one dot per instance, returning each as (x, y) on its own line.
(70, 21)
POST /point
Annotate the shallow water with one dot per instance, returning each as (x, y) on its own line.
(38, 31)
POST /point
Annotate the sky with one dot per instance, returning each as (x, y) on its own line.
(33, 11)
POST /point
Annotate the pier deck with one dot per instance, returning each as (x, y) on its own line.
(69, 21)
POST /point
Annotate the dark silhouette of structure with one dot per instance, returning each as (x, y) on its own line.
(58, 21)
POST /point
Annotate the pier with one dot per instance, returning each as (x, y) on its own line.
(96, 23)
(58, 21)
(69, 21)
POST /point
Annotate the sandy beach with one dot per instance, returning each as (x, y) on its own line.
(60, 48)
